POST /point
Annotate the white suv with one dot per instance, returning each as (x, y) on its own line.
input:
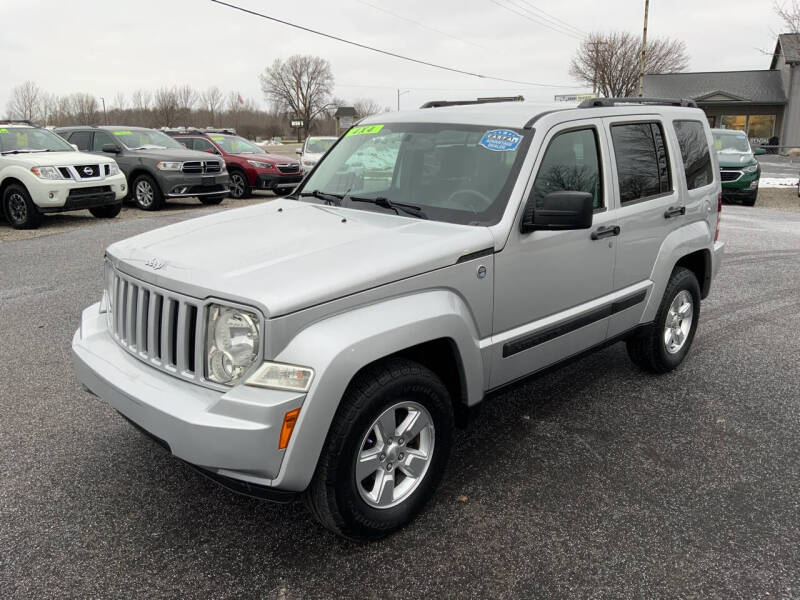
(41, 173)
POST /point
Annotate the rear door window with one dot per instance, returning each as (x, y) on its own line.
(642, 161)
(695, 153)
(82, 139)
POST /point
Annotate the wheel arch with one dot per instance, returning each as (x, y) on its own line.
(435, 328)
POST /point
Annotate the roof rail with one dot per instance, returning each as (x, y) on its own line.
(18, 122)
(441, 103)
(602, 102)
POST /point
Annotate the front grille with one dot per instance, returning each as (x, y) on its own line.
(206, 166)
(65, 172)
(295, 168)
(730, 175)
(156, 326)
(86, 171)
(89, 191)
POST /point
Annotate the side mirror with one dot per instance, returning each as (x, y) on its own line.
(559, 211)
(110, 149)
(74, 146)
(759, 151)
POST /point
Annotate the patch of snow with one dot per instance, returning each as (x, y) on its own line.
(777, 182)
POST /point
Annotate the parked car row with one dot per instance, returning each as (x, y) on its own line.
(97, 167)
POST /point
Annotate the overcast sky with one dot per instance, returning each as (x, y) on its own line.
(107, 46)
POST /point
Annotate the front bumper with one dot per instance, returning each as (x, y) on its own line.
(270, 181)
(745, 186)
(230, 435)
(52, 196)
(176, 184)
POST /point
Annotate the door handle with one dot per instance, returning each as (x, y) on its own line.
(674, 211)
(604, 232)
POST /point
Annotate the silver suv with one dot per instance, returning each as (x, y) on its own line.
(328, 343)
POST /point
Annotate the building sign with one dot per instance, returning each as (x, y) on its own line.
(346, 122)
(573, 97)
(297, 123)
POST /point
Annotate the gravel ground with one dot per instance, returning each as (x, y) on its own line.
(779, 198)
(595, 481)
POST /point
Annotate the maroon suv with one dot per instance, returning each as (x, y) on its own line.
(248, 165)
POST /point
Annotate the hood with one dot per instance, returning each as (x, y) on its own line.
(287, 255)
(276, 158)
(313, 156)
(177, 154)
(733, 158)
(47, 159)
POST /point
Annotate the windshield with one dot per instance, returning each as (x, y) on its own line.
(735, 141)
(319, 145)
(137, 139)
(454, 173)
(233, 144)
(31, 139)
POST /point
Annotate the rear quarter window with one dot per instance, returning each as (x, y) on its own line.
(695, 153)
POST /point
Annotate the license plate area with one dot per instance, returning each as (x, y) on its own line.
(207, 180)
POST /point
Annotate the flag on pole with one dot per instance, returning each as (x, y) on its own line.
(239, 98)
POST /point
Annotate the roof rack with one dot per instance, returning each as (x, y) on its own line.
(17, 122)
(603, 102)
(195, 130)
(441, 103)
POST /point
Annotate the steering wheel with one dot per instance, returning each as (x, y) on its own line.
(478, 202)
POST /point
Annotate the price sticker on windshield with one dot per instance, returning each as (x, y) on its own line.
(364, 130)
(3, 130)
(500, 140)
(123, 133)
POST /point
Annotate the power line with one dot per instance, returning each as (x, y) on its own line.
(402, 18)
(534, 19)
(451, 89)
(551, 17)
(378, 50)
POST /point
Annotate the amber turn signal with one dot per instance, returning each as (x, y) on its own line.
(289, 420)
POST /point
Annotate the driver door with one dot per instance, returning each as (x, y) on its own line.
(552, 287)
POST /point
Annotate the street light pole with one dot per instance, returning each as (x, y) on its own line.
(105, 116)
(399, 93)
(644, 47)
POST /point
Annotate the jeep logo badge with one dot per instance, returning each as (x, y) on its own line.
(88, 171)
(154, 264)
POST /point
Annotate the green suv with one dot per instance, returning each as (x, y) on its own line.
(739, 169)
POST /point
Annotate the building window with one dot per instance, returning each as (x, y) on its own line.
(761, 128)
(733, 122)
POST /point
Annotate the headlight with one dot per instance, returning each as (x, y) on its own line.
(113, 169)
(232, 343)
(46, 172)
(169, 166)
(261, 165)
(750, 169)
(309, 163)
(279, 376)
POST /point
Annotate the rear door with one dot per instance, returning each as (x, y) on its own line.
(649, 207)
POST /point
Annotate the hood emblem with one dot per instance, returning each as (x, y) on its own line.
(88, 171)
(155, 264)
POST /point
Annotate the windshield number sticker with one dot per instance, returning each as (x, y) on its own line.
(3, 130)
(218, 138)
(364, 130)
(123, 133)
(501, 140)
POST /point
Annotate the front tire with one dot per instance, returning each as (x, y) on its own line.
(19, 209)
(106, 212)
(238, 185)
(663, 345)
(146, 193)
(385, 453)
(212, 200)
(751, 199)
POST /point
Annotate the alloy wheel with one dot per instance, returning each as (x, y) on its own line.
(394, 455)
(679, 322)
(237, 185)
(144, 193)
(17, 208)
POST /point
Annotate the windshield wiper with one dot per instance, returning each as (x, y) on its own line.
(335, 199)
(397, 207)
(24, 151)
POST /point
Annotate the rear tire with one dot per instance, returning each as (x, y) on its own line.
(146, 193)
(19, 209)
(385, 452)
(106, 212)
(751, 199)
(663, 345)
(211, 200)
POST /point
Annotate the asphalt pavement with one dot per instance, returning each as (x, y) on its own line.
(778, 166)
(595, 481)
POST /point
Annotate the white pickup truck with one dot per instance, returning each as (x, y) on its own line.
(41, 173)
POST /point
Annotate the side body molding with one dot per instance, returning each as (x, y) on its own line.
(685, 240)
(339, 346)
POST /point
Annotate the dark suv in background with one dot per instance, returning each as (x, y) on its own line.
(157, 167)
(250, 167)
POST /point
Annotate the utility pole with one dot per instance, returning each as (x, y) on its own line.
(399, 93)
(644, 47)
(105, 116)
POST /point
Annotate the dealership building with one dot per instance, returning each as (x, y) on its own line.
(764, 103)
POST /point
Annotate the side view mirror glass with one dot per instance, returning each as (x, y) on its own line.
(110, 148)
(559, 211)
(74, 146)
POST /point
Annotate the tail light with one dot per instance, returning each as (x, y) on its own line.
(719, 216)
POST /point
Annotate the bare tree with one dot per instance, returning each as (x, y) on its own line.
(186, 97)
(141, 100)
(25, 102)
(83, 108)
(366, 107)
(610, 62)
(300, 85)
(166, 106)
(120, 102)
(789, 12)
(212, 100)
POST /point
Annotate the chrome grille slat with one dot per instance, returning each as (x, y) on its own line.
(163, 328)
